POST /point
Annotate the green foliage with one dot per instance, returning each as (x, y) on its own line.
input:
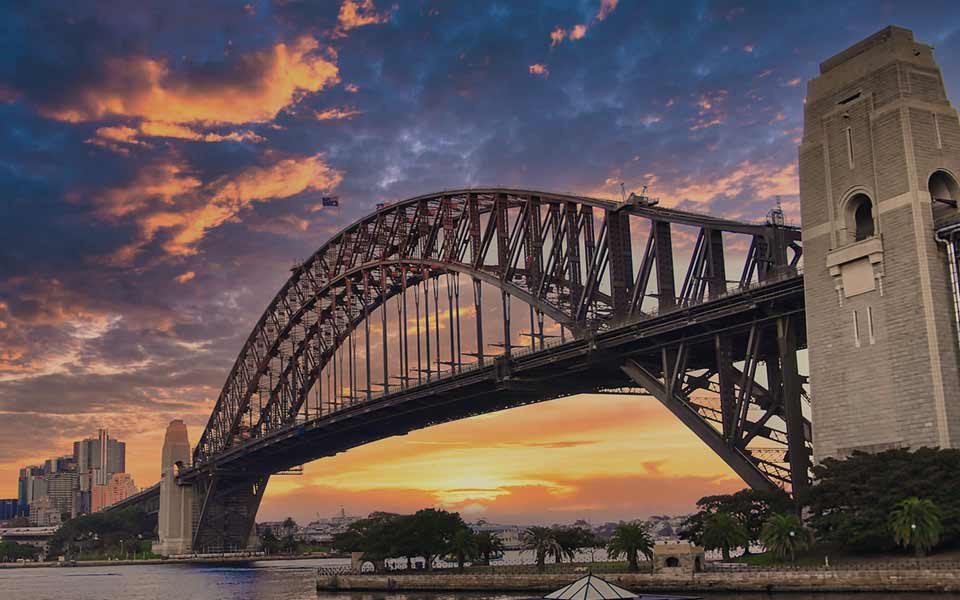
(631, 539)
(785, 535)
(489, 547)
(543, 542)
(852, 502)
(112, 534)
(12, 552)
(916, 524)
(429, 533)
(571, 539)
(723, 531)
(463, 546)
(377, 536)
(751, 508)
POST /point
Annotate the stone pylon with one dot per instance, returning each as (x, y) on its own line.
(176, 501)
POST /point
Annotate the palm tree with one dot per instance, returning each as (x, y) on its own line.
(489, 547)
(916, 522)
(723, 531)
(462, 546)
(631, 539)
(542, 542)
(784, 535)
(572, 539)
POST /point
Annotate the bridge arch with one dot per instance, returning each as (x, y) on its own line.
(567, 257)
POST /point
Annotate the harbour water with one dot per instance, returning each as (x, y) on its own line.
(260, 580)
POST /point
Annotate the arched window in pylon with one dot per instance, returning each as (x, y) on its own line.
(944, 194)
(860, 220)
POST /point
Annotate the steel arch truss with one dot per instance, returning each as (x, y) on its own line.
(569, 258)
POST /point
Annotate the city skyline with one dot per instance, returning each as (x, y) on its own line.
(169, 178)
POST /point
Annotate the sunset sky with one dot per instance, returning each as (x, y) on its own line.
(162, 164)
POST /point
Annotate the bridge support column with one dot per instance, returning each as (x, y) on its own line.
(227, 511)
(878, 177)
(176, 501)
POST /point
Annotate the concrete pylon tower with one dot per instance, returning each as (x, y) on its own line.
(879, 165)
(176, 501)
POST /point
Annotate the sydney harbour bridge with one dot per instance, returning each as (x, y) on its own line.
(466, 302)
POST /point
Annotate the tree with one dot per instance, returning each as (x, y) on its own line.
(489, 547)
(630, 539)
(12, 552)
(915, 522)
(463, 547)
(289, 524)
(851, 503)
(100, 534)
(377, 537)
(723, 531)
(571, 539)
(785, 535)
(269, 542)
(751, 507)
(542, 542)
(431, 532)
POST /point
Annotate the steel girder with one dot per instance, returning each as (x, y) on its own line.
(569, 258)
(750, 407)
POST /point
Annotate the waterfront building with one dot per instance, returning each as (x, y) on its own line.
(511, 536)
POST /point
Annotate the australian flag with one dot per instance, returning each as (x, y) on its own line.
(330, 201)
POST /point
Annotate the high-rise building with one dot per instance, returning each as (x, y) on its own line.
(101, 456)
(119, 487)
(30, 486)
(8, 509)
(66, 483)
(43, 513)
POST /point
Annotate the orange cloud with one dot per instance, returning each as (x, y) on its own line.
(332, 114)
(539, 69)
(359, 13)
(352, 88)
(578, 32)
(261, 84)
(184, 208)
(764, 179)
(557, 35)
(606, 7)
(154, 184)
(175, 130)
(185, 277)
(119, 137)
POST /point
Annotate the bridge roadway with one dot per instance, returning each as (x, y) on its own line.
(589, 365)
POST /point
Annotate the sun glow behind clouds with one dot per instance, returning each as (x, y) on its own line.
(504, 464)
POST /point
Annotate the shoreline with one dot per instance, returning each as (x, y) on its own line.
(813, 580)
(161, 561)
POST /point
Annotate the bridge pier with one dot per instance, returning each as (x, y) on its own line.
(176, 501)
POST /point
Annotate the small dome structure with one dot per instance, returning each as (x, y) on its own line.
(592, 587)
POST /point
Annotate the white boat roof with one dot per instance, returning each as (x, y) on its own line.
(591, 587)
